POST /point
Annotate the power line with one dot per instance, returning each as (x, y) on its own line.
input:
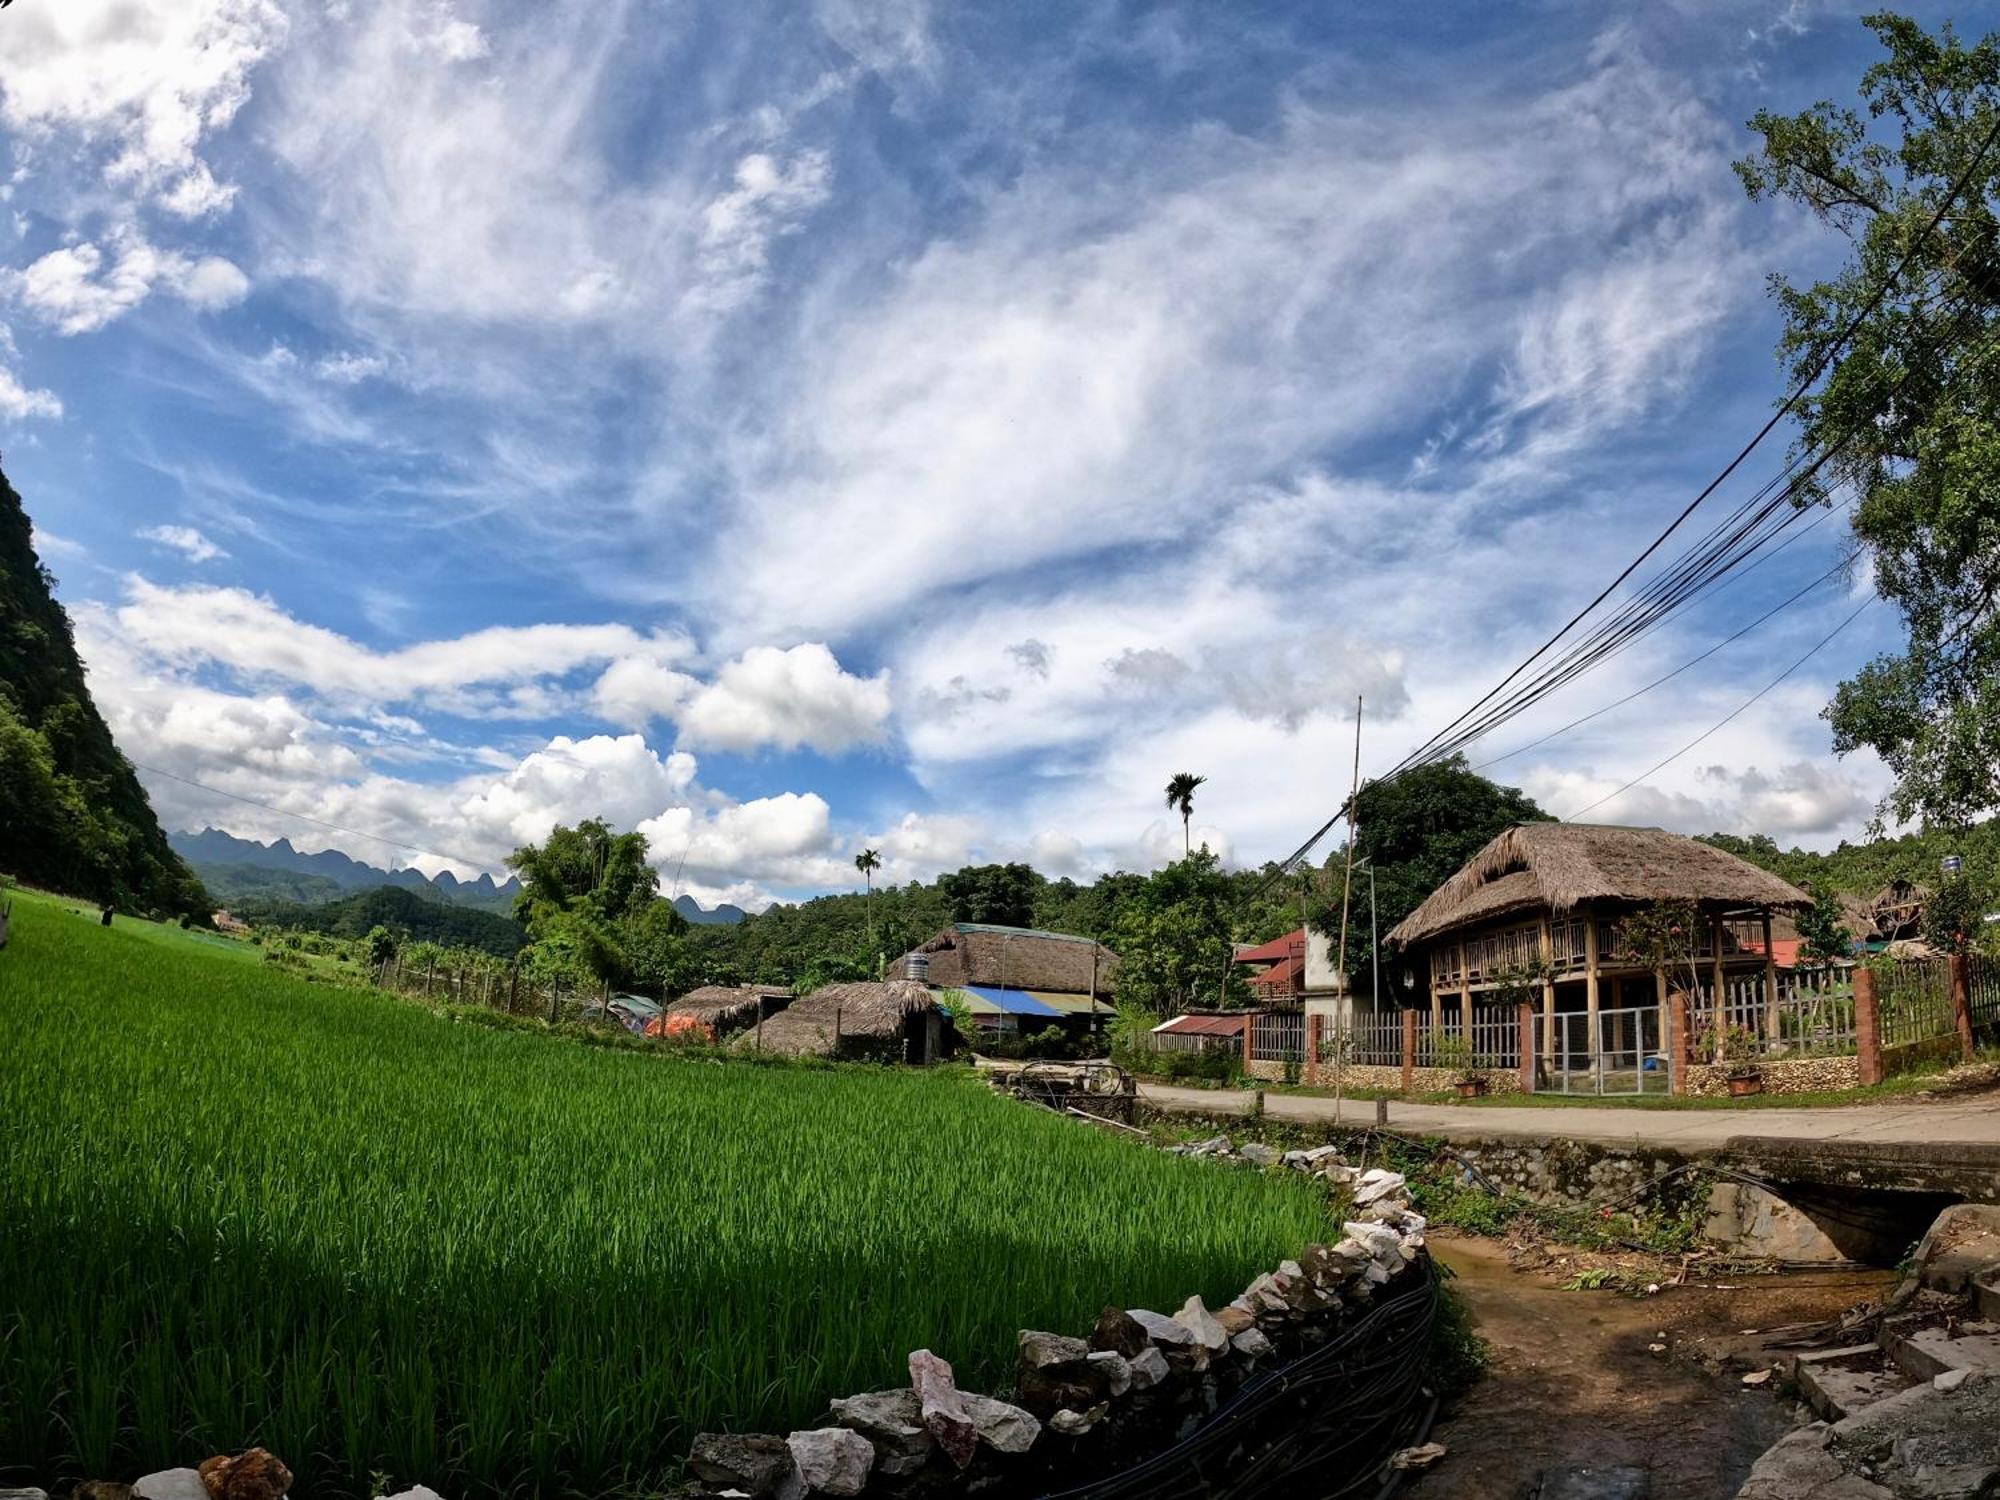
(286, 812)
(1696, 661)
(1785, 409)
(1726, 718)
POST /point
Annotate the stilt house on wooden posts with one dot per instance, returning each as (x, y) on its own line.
(1550, 900)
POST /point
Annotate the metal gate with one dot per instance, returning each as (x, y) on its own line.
(1628, 1054)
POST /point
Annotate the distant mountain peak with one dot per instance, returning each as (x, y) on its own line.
(213, 849)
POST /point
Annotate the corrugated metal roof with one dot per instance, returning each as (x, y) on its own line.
(1071, 1005)
(1011, 1002)
(1203, 1026)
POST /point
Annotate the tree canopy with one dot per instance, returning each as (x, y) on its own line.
(1910, 409)
(1415, 831)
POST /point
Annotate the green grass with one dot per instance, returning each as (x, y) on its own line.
(167, 934)
(239, 1208)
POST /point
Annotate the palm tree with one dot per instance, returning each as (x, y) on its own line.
(1180, 799)
(868, 861)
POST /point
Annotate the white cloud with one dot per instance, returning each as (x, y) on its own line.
(19, 402)
(79, 288)
(766, 200)
(185, 540)
(143, 83)
(787, 699)
(1114, 353)
(639, 690)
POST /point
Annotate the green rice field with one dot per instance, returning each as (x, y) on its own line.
(238, 1208)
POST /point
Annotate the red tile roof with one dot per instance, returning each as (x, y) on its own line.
(1277, 948)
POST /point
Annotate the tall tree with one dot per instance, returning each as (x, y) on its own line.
(868, 861)
(1416, 830)
(1174, 941)
(1180, 798)
(1002, 895)
(1911, 407)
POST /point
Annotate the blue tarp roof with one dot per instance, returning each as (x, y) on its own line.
(1011, 1002)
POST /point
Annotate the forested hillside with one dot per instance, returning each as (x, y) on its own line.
(1865, 868)
(73, 816)
(404, 913)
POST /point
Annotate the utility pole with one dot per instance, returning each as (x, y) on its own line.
(1347, 884)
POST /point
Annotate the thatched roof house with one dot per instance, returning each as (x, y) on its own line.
(892, 1021)
(1556, 868)
(1022, 958)
(1553, 897)
(731, 1007)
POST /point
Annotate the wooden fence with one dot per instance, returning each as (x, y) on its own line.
(1278, 1036)
(495, 988)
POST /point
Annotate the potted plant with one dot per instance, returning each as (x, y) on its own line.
(1738, 1054)
(1455, 1052)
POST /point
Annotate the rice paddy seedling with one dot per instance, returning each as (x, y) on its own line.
(238, 1208)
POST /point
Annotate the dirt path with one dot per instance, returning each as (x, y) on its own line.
(1574, 1407)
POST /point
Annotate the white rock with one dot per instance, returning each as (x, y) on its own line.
(170, 1484)
(1076, 1423)
(1006, 1428)
(1162, 1329)
(1757, 1377)
(832, 1460)
(1117, 1370)
(417, 1492)
(1378, 1183)
(1950, 1380)
(1252, 1344)
(1199, 1321)
(1149, 1368)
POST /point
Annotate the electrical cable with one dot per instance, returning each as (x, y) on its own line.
(1726, 718)
(1832, 572)
(1688, 582)
(1785, 409)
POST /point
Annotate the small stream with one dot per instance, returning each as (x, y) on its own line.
(1575, 1407)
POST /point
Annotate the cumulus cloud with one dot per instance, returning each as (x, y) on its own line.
(19, 402)
(185, 540)
(787, 700)
(142, 85)
(80, 288)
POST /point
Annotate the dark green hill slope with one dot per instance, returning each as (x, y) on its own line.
(402, 912)
(73, 817)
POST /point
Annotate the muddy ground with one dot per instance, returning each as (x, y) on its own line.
(1576, 1406)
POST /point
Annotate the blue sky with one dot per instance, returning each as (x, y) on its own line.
(791, 428)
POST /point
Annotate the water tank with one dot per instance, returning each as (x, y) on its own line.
(918, 967)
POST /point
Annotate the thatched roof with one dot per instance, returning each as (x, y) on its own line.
(1557, 866)
(862, 1011)
(1017, 958)
(728, 1006)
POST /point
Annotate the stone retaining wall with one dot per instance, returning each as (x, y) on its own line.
(1422, 1080)
(1794, 1075)
(1083, 1408)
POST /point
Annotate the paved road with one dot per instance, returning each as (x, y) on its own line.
(1974, 1122)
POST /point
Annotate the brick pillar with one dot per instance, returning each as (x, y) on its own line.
(1409, 1050)
(1867, 1026)
(1312, 1074)
(1527, 1046)
(1678, 1045)
(1961, 1000)
(1249, 1035)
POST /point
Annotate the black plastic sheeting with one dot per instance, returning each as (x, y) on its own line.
(1319, 1428)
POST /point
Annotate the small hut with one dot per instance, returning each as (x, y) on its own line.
(1897, 910)
(895, 1020)
(729, 1008)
